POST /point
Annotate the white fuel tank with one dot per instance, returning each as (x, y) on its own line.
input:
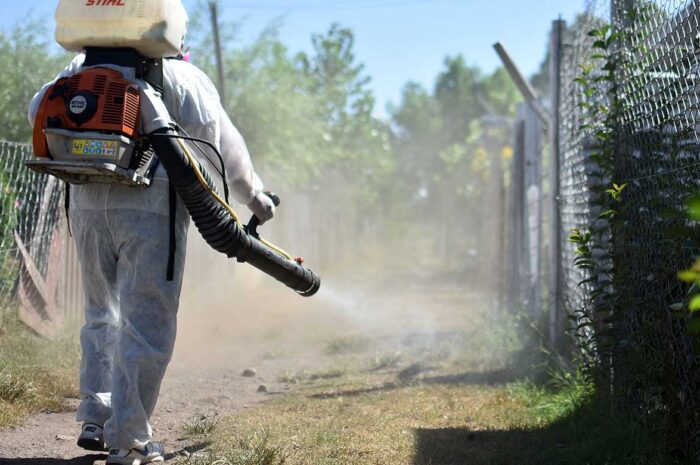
(155, 28)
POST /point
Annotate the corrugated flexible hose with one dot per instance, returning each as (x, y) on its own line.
(216, 222)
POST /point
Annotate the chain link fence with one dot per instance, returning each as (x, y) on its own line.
(653, 363)
(39, 270)
(619, 314)
(658, 158)
(577, 204)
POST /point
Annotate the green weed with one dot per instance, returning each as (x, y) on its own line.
(385, 361)
(297, 377)
(345, 344)
(202, 426)
(14, 388)
(36, 375)
(254, 448)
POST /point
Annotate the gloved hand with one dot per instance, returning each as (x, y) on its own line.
(262, 207)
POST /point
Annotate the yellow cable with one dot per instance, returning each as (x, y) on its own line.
(276, 249)
(195, 166)
(213, 193)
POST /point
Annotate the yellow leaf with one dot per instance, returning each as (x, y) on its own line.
(694, 304)
(688, 276)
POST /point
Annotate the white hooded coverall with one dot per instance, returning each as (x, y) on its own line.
(122, 235)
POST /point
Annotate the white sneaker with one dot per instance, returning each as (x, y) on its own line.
(91, 438)
(153, 452)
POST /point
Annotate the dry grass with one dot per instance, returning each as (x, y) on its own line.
(360, 420)
(252, 448)
(296, 377)
(385, 361)
(349, 426)
(202, 426)
(345, 344)
(36, 375)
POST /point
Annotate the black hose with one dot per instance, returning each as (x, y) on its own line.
(221, 231)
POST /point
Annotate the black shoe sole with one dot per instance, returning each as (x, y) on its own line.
(92, 445)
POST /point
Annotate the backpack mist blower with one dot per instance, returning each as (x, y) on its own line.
(87, 130)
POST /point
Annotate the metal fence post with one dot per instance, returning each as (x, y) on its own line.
(532, 222)
(557, 317)
(494, 223)
(515, 266)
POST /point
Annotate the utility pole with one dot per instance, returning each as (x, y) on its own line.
(213, 10)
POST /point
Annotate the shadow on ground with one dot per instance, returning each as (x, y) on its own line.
(92, 458)
(83, 460)
(590, 436)
(457, 446)
(405, 378)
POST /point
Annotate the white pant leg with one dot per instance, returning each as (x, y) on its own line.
(148, 308)
(128, 256)
(99, 334)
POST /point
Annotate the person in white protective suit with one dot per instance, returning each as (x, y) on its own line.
(121, 234)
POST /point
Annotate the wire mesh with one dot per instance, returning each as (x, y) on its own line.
(30, 209)
(577, 201)
(654, 369)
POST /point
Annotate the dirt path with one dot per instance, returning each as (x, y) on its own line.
(218, 338)
(188, 393)
(200, 382)
(264, 328)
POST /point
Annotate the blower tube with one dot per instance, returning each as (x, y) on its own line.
(216, 224)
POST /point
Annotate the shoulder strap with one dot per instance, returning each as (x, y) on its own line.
(172, 199)
(66, 206)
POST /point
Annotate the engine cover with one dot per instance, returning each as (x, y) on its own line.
(88, 126)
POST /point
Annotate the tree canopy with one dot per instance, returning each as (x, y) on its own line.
(309, 118)
(26, 63)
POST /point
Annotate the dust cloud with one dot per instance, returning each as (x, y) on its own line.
(382, 295)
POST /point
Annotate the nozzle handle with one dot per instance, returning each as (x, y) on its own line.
(252, 227)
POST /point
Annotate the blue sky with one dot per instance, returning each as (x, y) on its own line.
(397, 40)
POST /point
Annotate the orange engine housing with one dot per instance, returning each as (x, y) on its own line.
(97, 99)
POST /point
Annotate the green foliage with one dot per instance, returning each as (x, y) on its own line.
(450, 144)
(594, 250)
(9, 264)
(688, 310)
(458, 100)
(500, 96)
(565, 394)
(625, 323)
(26, 63)
(308, 120)
(306, 117)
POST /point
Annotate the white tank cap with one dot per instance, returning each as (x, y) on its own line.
(156, 28)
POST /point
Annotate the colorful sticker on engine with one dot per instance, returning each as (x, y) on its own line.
(96, 148)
